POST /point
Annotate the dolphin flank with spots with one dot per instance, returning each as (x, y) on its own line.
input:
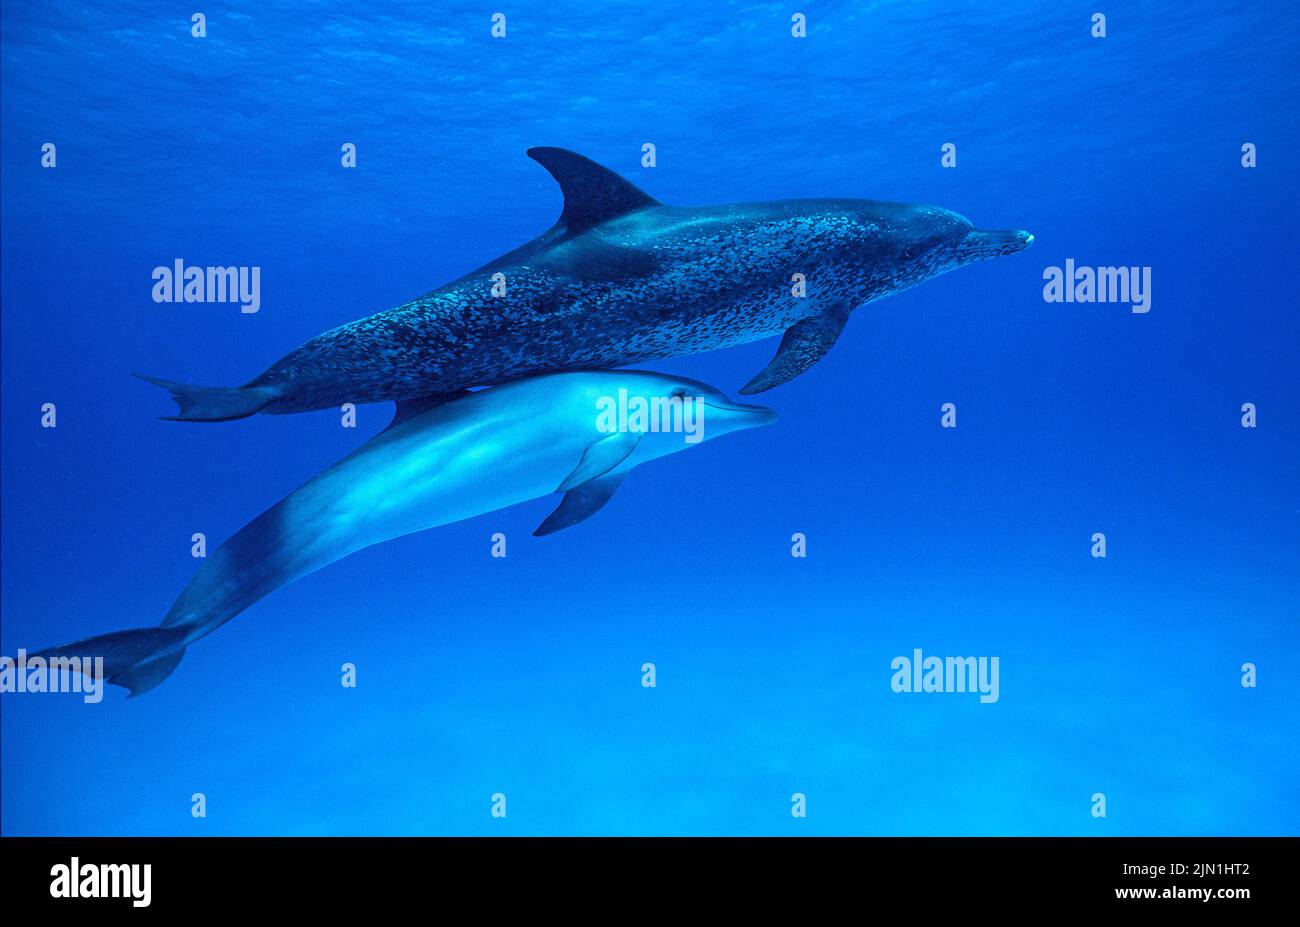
(621, 279)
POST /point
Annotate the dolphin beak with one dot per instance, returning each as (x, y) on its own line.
(980, 245)
(745, 416)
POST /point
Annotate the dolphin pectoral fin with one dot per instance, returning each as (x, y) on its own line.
(580, 503)
(592, 194)
(409, 408)
(600, 458)
(804, 344)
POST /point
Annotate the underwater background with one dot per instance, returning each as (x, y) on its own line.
(522, 675)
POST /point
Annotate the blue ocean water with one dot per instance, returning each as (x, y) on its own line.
(522, 675)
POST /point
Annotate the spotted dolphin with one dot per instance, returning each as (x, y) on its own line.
(620, 279)
(576, 433)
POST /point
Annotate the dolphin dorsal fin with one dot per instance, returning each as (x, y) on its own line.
(592, 194)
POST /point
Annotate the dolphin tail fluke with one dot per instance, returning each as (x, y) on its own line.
(145, 675)
(214, 403)
(136, 660)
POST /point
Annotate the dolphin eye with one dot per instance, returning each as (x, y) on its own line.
(920, 247)
(678, 393)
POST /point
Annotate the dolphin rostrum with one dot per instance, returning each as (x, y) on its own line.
(622, 279)
(578, 433)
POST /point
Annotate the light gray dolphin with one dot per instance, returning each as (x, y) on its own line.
(622, 279)
(577, 433)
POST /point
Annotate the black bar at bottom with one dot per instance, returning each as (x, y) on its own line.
(211, 875)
